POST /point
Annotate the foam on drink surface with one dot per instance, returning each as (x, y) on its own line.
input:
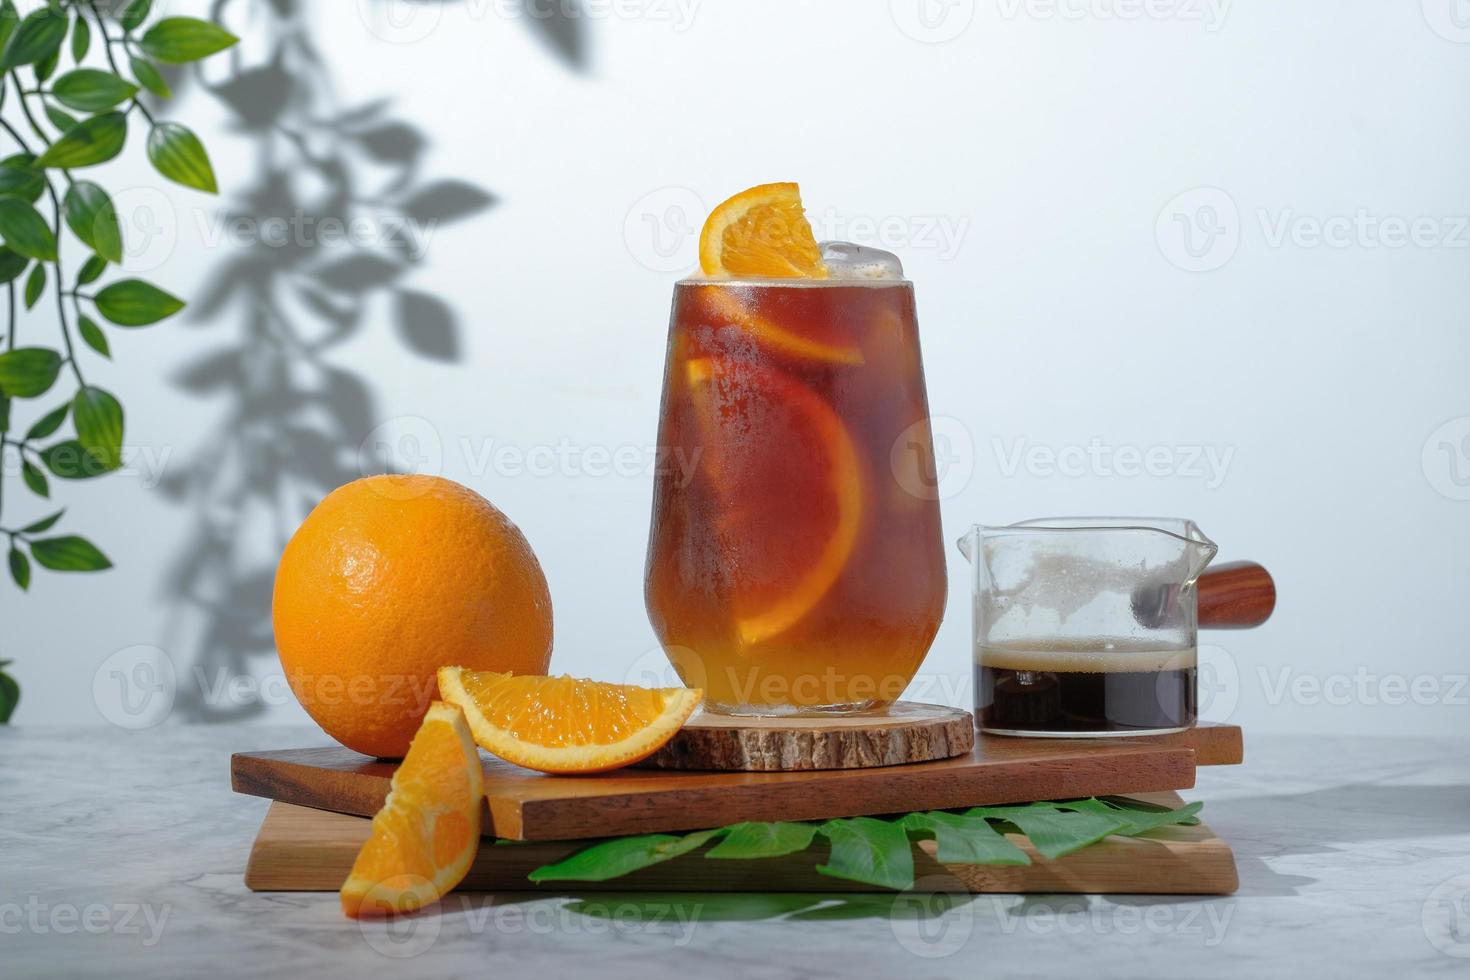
(1100, 656)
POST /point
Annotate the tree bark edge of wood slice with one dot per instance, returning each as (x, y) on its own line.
(908, 732)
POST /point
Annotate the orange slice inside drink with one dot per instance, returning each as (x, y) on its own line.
(723, 305)
(789, 486)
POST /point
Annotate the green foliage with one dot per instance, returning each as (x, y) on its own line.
(92, 90)
(89, 108)
(135, 303)
(176, 40)
(9, 689)
(88, 143)
(177, 154)
(92, 218)
(879, 851)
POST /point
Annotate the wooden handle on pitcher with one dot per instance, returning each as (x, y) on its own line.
(1236, 595)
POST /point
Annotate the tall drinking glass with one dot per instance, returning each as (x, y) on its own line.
(795, 559)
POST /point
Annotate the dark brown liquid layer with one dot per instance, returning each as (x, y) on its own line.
(1074, 701)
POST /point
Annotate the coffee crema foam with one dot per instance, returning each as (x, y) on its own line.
(1100, 656)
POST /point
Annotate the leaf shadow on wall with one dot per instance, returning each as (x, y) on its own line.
(331, 229)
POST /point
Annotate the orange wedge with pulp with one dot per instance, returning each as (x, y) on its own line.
(761, 232)
(426, 835)
(565, 724)
(791, 489)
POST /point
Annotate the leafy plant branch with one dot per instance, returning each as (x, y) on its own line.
(76, 119)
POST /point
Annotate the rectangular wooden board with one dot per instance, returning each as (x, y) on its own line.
(525, 805)
(301, 849)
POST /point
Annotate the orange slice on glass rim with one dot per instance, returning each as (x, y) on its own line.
(565, 724)
(790, 487)
(426, 835)
(761, 232)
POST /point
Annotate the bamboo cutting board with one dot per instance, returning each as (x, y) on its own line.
(300, 849)
(524, 805)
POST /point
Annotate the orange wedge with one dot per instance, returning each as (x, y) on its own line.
(428, 831)
(761, 232)
(563, 724)
(821, 509)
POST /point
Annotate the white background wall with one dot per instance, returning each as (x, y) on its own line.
(1049, 144)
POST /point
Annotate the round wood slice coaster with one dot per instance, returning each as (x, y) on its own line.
(905, 732)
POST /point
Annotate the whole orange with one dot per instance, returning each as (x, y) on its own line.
(389, 579)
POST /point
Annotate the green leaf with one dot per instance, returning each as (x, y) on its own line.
(965, 840)
(88, 143)
(149, 77)
(48, 423)
(622, 855)
(763, 840)
(91, 270)
(875, 852)
(44, 524)
(28, 371)
(98, 418)
(35, 285)
(93, 336)
(34, 479)
(92, 90)
(177, 154)
(91, 215)
(20, 570)
(70, 460)
(19, 177)
(61, 120)
(176, 40)
(47, 65)
(9, 697)
(11, 264)
(9, 20)
(135, 303)
(81, 39)
(25, 231)
(134, 14)
(37, 36)
(69, 554)
(1054, 832)
(1140, 817)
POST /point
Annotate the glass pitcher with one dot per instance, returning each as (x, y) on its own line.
(1086, 627)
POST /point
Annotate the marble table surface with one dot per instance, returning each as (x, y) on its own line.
(121, 854)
